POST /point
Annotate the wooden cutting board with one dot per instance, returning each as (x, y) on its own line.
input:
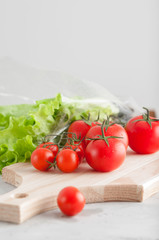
(136, 180)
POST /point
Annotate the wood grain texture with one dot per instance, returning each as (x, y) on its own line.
(36, 192)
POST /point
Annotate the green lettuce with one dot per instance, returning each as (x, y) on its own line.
(24, 126)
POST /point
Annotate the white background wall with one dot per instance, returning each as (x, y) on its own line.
(113, 42)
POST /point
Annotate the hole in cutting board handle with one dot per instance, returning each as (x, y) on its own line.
(21, 195)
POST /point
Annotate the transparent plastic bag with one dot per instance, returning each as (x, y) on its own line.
(22, 84)
(47, 114)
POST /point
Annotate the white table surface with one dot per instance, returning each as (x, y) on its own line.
(109, 220)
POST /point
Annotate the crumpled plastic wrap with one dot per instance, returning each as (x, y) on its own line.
(23, 128)
(23, 84)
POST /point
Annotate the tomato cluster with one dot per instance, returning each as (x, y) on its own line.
(104, 147)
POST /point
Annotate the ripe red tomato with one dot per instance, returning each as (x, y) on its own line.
(67, 160)
(79, 149)
(95, 124)
(119, 131)
(50, 145)
(104, 158)
(143, 137)
(79, 128)
(112, 130)
(70, 201)
(93, 132)
(41, 157)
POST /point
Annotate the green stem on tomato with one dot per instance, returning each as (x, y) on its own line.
(146, 118)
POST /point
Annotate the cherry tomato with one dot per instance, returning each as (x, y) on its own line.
(104, 158)
(70, 201)
(79, 128)
(143, 133)
(41, 157)
(79, 149)
(112, 130)
(95, 124)
(67, 160)
(50, 145)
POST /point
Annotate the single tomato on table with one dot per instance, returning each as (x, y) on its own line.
(70, 201)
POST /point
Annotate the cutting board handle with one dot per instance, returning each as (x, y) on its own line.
(22, 203)
(18, 205)
(10, 205)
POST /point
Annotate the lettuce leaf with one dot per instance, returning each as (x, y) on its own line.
(23, 127)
